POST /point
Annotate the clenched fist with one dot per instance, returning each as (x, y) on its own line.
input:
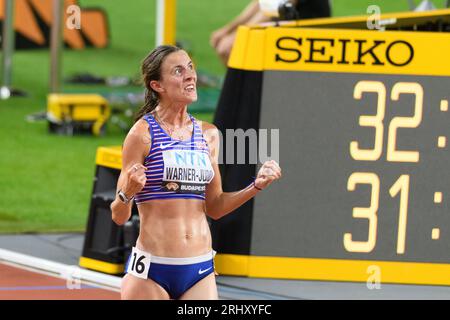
(135, 179)
(268, 173)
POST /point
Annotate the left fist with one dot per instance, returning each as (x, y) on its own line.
(268, 173)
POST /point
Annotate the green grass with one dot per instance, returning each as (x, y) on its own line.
(359, 7)
(46, 180)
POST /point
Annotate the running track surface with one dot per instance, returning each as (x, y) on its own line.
(20, 284)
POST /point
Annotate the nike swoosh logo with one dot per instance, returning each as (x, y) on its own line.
(203, 271)
(164, 146)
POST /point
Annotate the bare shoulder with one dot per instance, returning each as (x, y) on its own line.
(138, 138)
(212, 137)
(140, 127)
(210, 133)
(207, 128)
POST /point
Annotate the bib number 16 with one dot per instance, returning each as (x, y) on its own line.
(139, 263)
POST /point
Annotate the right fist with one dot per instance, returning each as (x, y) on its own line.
(136, 179)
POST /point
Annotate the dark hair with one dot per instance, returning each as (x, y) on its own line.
(151, 70)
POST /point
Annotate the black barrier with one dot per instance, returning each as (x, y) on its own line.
(107, 245)
(232, 233)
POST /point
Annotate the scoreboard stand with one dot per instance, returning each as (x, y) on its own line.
(364, 130)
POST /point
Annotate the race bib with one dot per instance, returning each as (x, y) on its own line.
(186, 171)
(139, 263)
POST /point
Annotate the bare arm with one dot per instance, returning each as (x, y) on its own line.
(132, 177)
(258, 17)
(244, 17)
(250, 15)
(219, 203)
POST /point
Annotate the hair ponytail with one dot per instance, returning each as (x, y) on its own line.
(150, 103)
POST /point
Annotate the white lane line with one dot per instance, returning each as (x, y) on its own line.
(63, 271)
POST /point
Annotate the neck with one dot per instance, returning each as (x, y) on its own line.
(172, 114)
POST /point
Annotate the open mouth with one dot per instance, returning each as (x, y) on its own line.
(190, 88)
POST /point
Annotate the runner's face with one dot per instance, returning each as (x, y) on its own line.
(179, 79)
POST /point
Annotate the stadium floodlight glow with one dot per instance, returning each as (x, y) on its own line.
(5, 93)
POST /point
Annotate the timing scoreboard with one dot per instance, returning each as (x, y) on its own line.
(364, 127)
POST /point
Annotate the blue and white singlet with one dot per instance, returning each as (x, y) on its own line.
(175, 168)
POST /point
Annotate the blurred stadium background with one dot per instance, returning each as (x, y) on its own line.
(46, 180)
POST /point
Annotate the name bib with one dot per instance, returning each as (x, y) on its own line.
(186, 171)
